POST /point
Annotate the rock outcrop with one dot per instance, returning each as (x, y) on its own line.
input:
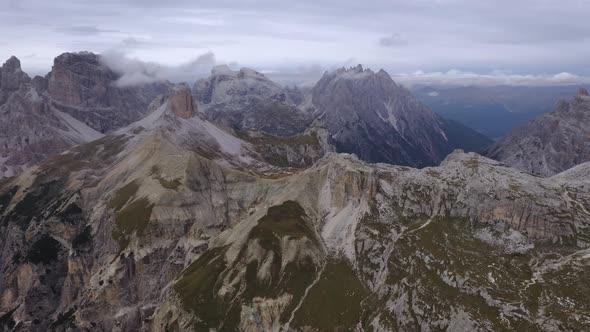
(550, 143)
(369, 115)
(181, 102)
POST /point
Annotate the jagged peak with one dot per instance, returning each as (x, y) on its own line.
(11, 74)
(583, 92)
(180, 102)
(358, 72)
(12, 63)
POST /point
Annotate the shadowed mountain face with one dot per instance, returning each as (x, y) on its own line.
(371, 116)
(551, 143)
(175, 224)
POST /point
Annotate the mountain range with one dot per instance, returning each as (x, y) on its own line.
(363, 112)
(240, 205)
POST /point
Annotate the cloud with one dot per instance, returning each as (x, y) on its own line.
(533, 36)
(83, 30)
(394, 40)
(136, 72)
(464, 78)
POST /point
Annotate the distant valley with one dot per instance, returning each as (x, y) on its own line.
(493, 111)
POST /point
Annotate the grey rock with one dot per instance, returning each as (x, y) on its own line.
(369, 115)
(550, 143)
(12, 76)
(246, 99)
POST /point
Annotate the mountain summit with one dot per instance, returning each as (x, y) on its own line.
(368, 114)
(246, 99)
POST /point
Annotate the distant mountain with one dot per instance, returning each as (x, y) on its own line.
(493, 111)
(369, 115)
(30, 128)
(550, 143)
(246, 99)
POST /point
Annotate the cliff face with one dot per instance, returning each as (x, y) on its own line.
(81, 85)
(551, 143)
(174, 224)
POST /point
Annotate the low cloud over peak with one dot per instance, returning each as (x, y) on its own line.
(135, 72)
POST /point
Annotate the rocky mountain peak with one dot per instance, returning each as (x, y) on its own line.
(583, 92)
(11, 75)
(225, 85)
(181, 102)
(246, 99)
(394, 127)
(12, 63)
(73, 58)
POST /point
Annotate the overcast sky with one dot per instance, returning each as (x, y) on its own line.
(499, 41)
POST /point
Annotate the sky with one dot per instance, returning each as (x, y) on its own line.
(524, 42)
